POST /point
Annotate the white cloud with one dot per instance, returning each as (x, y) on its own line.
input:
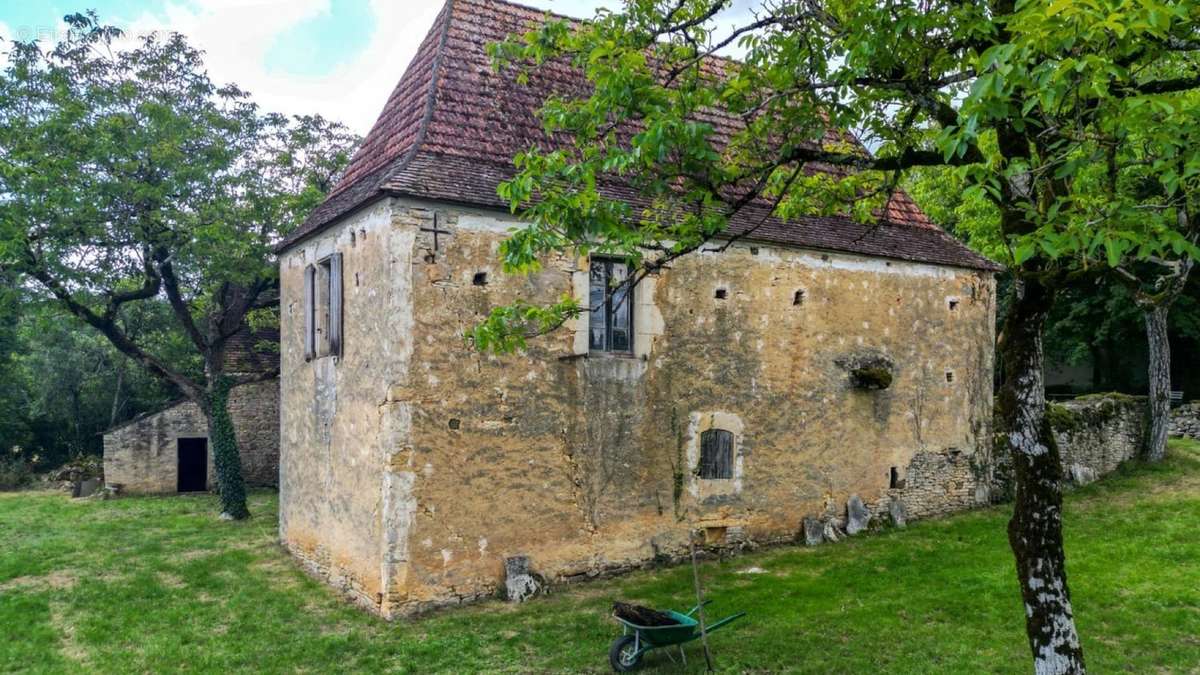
(236, 36)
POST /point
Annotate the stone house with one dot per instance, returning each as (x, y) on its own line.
(725, 397)
(167, 450)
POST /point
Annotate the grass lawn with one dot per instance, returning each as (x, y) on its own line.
(159, 584)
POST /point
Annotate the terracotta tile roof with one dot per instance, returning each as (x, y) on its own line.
(452, 125)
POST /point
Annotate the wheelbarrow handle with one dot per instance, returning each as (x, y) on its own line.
(724, 622)
(697, 608)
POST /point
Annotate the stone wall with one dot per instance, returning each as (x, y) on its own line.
(1185, 420)
(254, 409)
(141, 455)
(342, 472)
(1095, 434)
(413, 466)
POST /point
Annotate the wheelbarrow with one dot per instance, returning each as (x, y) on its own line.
(627, 651)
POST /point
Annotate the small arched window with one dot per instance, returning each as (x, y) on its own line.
(716, 454)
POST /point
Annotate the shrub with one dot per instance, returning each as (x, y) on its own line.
(15, 472)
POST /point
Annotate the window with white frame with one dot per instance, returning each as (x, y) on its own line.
(610, 305)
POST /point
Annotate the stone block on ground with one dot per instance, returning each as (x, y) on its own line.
(831, 532)
(857, 515)
(1082, 475)
(520, 582)
(897, 513)
(814, 531)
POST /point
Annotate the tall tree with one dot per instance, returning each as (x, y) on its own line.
(14, 427)
(74, 384)
(1164, 177)
(1026, 99)
(1098, 319)
(128, 176)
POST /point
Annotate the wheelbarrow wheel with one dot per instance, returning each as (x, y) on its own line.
(624, 655)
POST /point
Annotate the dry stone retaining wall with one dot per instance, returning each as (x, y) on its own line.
(1185, 420)
(1095, 435)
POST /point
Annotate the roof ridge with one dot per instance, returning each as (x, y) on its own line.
(440, 27)
(430, 97)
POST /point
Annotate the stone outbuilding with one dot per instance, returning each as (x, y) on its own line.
(167, 450)
(733, 396)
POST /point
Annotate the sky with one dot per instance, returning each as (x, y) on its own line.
(339, 58)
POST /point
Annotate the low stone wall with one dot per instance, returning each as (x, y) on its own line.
(1185, 420)
(141, 455)
(1095, 434)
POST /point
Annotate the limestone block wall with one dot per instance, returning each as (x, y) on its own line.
(141, 455)
(254, 408)
(1185, 420)
(939, 483)
(413, 466)
(343, 475)
(1095, 434)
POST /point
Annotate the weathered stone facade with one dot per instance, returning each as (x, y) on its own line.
(1185, 420)
(1095, 435)
(141, 455)
(413, 466)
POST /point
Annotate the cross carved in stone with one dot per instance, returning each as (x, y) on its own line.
(436, 231)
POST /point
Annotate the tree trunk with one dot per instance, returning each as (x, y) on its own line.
(1035, 530)
(1159, 380)
(226, 458)
(115, 411)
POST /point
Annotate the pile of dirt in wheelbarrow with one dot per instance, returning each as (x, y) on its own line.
(642, 616)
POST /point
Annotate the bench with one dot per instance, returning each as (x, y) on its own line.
(1176, 398)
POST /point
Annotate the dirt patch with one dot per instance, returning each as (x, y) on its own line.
(196, 554)
(68, 645)
(171, 580)
(60, 580)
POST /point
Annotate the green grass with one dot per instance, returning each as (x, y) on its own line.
(158, 584)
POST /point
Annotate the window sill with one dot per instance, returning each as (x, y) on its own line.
(612, 355)
(602, 355)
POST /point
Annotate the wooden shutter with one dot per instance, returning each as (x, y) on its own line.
(310, 312)
(716, 454)
(724, 454)
(335, 304)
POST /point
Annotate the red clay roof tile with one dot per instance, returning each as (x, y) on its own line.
(452, 125)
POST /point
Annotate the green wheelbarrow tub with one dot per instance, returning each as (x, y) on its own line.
(627, 651)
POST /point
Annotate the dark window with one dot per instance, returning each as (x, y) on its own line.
(610, 302)
(716, 454)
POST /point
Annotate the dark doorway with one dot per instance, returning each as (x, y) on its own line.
(193, 464)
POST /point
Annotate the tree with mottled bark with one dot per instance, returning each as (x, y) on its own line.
(1027, 101)
(127, 176)
(1156, 284)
